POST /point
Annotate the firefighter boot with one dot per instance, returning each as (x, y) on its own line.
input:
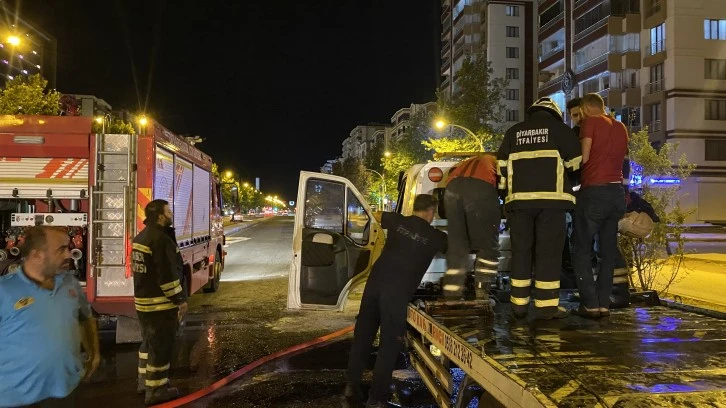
(141, 384)
(485, 273)
(454, 282)
(157, 395)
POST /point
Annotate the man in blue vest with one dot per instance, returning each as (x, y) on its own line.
(41, 309)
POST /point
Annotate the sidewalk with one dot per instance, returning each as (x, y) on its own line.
(701, 281)
(704, 237)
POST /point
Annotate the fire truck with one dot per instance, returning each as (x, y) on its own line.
(650, 354)
(54, 171)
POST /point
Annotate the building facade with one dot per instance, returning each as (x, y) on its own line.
(650, 75)
(361, 139)
(24, 48)
(502, 31)
(401, 120)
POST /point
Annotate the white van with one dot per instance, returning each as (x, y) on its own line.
(331, 254)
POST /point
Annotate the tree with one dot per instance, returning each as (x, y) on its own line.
(354, 170)
(408, 150)
(28, 96)
(476, 105)
(649, 257)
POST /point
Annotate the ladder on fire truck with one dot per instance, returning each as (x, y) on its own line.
(113, 212)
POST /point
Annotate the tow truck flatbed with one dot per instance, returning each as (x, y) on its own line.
(638, 357)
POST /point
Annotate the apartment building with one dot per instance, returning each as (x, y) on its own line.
(25, 49)
(657, 63)
(401, 120)
(361, 139)
(503, 32)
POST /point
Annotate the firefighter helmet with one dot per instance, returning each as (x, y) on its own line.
(546, 104)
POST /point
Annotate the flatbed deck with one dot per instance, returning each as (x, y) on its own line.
(638, 357)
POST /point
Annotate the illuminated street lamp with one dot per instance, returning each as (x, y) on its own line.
(101, 120)
(387, 154)
(143, 121)
(14, 40)
(441, 124)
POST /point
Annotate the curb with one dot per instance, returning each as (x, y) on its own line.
(233, 229)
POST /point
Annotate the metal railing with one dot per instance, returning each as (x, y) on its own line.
(551, 81)
(592, 62)
(655, 86)
(655, 48)
(552, 22)
(552, 52)
(590, 29)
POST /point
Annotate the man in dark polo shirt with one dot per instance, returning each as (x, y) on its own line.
(44, 320)
(600, 204)
(411, 244)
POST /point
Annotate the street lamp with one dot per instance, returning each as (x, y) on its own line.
(387, 154)
(441, 124)
(14, 40)
(383, 183)
(143, 121)
(101, 120)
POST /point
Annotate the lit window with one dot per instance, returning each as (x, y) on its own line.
(714, 29)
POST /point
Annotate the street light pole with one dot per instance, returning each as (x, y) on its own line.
(383, 182)
(441, 124)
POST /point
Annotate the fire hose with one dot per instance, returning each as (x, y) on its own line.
(251, 366)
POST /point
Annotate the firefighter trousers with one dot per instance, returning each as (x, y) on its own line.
(473, 214)
(387, 311)
(158, 330)
(537, 236)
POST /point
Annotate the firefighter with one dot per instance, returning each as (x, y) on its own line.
(472, 209)
(160, 300)
(532, 162)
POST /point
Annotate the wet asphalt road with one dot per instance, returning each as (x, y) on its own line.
(245, 320)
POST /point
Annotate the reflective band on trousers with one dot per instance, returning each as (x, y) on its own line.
(519, 301)
(455, 272)
(151, 368)
(452, 288)
(521, 283)
(620, 279)
(157, 383)
(143, 356)
(487, 262)
(547, 303)
(142, 370)
(547, 285)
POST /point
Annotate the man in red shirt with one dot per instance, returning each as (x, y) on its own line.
(473, 211)
(600, 204)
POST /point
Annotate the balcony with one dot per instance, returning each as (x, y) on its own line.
(655, 14)
(620, 97)
(591, 29)
(655, 48)
(654, 9)
(591, 63)
(551, 82)
(552, 22)
(552, 52)
(655, 86)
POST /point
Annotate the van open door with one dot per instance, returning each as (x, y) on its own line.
(335, 242)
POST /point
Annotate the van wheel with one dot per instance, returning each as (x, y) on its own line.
(213, 285)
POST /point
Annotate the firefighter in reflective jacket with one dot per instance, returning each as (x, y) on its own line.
(532, 162)
(160, 300)
(472, 209)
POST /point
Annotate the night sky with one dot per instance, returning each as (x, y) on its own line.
(273, 86)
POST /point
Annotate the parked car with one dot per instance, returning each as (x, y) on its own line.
(251, 212)
(237, 217)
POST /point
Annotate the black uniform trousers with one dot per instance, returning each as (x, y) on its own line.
(538, 233)
(387, 311)
(473, 214)
(158, 330)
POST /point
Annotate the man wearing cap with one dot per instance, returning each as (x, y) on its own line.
(533, 162)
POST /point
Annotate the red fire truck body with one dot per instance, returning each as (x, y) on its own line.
(54, 171)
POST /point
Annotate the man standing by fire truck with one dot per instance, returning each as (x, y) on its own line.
(160, 300)
(532, 161)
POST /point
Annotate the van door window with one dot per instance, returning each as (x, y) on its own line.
(358, 221)
(324, 202)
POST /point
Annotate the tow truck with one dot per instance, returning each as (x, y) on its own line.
(651, 354)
